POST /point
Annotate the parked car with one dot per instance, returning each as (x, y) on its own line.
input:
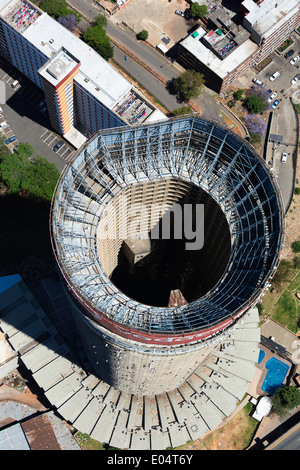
(274, 76)
(288, 54)
(3, 125)
(294, 59)
(10, 140)
(295, 80)
(1, 110)
(283, 158)
(258, 82)
(272, 96)
(180, 13)
(57, 146)
(275, 104)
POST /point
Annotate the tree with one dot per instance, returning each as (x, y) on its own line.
(256, 125)
(39, 178)
(25, 149)
(238, 94)
(296, 246)
(69, 22)
(95, 36)
(182, 111)
(285, 398)
(143, 35)
(198, 11)
(36, 176)
(52, 7)
(11, 171)
(254, 104)
(100, 20)
(189, 84)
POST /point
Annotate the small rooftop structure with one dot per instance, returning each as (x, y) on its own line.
(263, 408)
(136, 249)
(59, 66)
(176, 299)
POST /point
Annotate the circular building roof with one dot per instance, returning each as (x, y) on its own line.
(183, 153)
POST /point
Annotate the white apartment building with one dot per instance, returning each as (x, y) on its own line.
(83, 91)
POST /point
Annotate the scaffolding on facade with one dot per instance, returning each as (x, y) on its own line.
(188, 149)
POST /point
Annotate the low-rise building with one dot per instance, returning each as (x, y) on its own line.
(230, 45)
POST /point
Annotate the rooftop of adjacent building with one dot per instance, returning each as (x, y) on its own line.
(19, 13)
(220, 67)
(266, 16)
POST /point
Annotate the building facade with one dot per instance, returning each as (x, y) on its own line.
(79, 103)
(135, 339)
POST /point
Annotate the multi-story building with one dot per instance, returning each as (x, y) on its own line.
(229, 46)
(83, 92)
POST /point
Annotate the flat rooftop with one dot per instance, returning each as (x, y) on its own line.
(19, 13)
(265, 17)
(207, 57)
(58, 67)
(95, 73)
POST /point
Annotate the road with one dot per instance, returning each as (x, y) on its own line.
(142, 63)
(286, 128)
(142, 51)
(289, 441)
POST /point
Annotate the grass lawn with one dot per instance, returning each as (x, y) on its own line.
(237, 434)
(281, 304)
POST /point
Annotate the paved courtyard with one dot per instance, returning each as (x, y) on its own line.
(158, 18)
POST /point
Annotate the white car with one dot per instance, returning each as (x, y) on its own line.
(294, 59)
(272, 96)
(295, 80)
(258, 82)
(3, 125)
(1, 110)
(284, 158)
(274, 76)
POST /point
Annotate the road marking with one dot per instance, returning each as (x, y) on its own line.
(52, 141)
(51, 133)
(282, 438)
(44, 133)
(65, 151)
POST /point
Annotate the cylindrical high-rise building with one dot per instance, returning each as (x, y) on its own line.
(150, 308)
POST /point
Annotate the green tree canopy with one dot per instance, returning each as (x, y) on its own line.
(255, 105)
(36, 176)
(198, 11)
(143, 35)
(53, 7)
(189, 84)
(100, 20)
(95, 36)
(286, 398)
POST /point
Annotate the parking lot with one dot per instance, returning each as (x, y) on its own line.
(25, 112)
(281, 64)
